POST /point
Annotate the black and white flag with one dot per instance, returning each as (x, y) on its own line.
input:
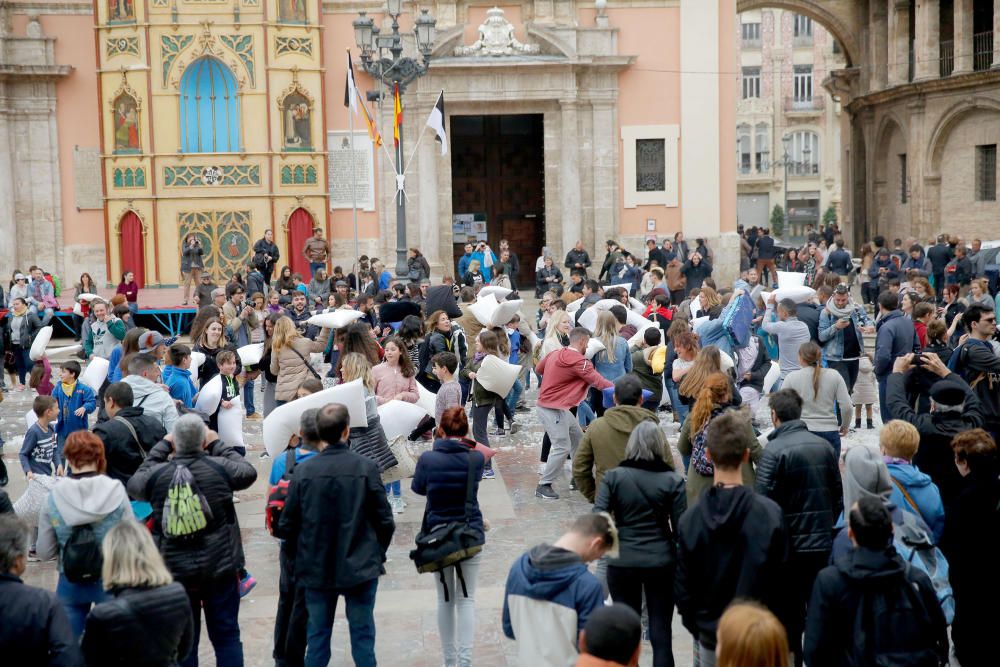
(436, 123)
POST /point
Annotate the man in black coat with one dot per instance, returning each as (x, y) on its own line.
(577, 259)
(128, 434)
(800, 472)
(848, 623)
(34, 629)
(656, 254)
(977, 360)
(208, 557)
(340, 522)
(955, 408)
(732, 543)
(939, 254)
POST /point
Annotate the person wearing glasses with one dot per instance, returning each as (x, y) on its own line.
(978, 361)
(19, 289)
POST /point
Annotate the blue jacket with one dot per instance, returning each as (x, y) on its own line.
(873, 270)
(278, 467)
(487, 270)
(832, 338)
(921, 265)
(114, 364)
(895, 336)
(548, 589)
(442, 475)
(923, 492)
(463, 265)
(180, 384)
(839, 262)
(83, 397)
(612, 370)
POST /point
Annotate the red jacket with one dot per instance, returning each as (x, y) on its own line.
(568, 375)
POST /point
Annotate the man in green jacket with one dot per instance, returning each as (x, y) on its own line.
(603, 445)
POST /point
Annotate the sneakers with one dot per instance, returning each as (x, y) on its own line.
(572, 484)
(265, 455)
(246, 584)
(521, 407)
(499, 433)
(488, 473)
(236, 498)
(514, 427)
(254, 417)
(545, 491)
(396, 503)
(33, 557)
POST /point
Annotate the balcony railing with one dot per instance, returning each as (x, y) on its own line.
(947, 57)
(802, 40)
(982, 51)
(751, 44)
(814, 103)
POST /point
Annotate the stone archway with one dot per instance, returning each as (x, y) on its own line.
(839, 17)
(892, 186)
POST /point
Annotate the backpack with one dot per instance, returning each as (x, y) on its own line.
(277, 495)
(914, 545)
(81, 555)
(186, 511)
(892, 629)
(699, 448)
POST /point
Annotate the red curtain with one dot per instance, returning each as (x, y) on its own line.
(300, 226)
(133, 257)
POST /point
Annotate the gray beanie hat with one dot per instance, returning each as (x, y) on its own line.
(865, 474)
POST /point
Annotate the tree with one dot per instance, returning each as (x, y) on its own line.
(830, 216)
(777, 220)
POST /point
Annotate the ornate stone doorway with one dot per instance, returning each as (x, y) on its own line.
(497, 168)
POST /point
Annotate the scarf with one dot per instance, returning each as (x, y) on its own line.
(19, 312)
(841, 312)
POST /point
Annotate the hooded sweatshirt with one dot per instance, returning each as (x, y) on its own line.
(922, 491)
(732, 544)
(88, 498)
(568, 375)
(153, 400)
(181, 386)
(603, 445)
(548, 597)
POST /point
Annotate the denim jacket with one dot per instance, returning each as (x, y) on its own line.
(832, 338)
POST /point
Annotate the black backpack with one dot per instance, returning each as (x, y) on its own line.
(81, 555)
(892, 627)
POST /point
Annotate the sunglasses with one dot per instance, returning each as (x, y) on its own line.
(989, 320)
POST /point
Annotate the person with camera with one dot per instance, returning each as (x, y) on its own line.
(266, 255)
(192, 263)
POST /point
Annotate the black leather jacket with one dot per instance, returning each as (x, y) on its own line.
(799, 471)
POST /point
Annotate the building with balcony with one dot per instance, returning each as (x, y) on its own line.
(787, 125)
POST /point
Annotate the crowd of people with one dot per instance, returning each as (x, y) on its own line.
(776, 540)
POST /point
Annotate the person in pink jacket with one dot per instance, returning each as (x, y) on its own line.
(568, 374)
(395, 380)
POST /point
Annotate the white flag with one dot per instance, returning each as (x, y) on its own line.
(436, 122)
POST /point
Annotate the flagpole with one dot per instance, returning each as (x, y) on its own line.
(354, 191)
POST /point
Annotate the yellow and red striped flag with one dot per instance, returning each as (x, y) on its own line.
(372, 128)
(397, 119)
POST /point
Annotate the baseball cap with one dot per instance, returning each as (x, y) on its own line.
(20, 276)
(341, 283)
(149, 340)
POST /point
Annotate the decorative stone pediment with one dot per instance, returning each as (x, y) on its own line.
(496, 38)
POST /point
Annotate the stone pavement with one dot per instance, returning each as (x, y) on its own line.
(406, 602)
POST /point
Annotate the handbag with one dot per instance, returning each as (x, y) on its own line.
(450, 543)
(405, 466)
(308, 365)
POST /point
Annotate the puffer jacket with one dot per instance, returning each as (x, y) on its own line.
(218, 471)
(123, 452)
(799, 471)
(603, 446)
(290, 368)
(34, 629)
(647, 499)
(895, 337)
(370, 441)
(442, 475)
(121, 630)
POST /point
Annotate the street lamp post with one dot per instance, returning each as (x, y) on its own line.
(382, 57)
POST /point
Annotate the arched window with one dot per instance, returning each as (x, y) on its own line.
(804, 153)
(743, 148)
(762, 147)
(210, 108)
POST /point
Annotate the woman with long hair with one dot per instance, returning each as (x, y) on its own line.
(709, 303)
(130, 288)
(147, 620)
(441, 475)
(319, 288)
(613, 361)
(646, 498)
(369, 441)
(120, 355)
(417, 267)
(714, 396)
(924, 291)
(85, 286)
(411, 333)
(483, 400)
(979, 294)
(952, 312)
(750, 636)
(290, 352)
(556, 333)
(822, 391)
(285, 285)
(439, 339)
(86, 492)
(270, 379)
(192, 263)
(357, 337)
(395, 381)
(211, 342)
(707, 362)
(474, 276)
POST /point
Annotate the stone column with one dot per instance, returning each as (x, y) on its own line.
(963, 36)
(569, 177)
(899, 42)
(928, 40)
(9, 259)
(605, 171)
(878, 44)
(428, 237)
(915, 165)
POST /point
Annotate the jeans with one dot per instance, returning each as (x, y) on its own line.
(269, 402)
(248, 397)
(883, 405)
(703, 655)
(44, 314)
(833, 437)
(393, 489)
(290, 617)
(848, 370)
(314, 267)
(77, 600)
(513, 396)
(627, 585)
(480, 421)
(220, 598)
(565, 433)
(322, 605)
(456, 618)
(133, 307)
(22, 361)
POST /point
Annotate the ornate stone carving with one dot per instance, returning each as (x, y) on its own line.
(209, 175)
(171, 47)
(226, 235)
(122, 46)
(129, 177)
(300, 45)
(242, 46)
(298, 175)
(496, 38)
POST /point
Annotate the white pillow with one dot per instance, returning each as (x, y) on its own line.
(496, 375)
(593, 347)
(197, 359)
(640, 336)
(695, 306)
(41, 341)
(637, 306)
(399, 418)
(574, 306)
(500, 293)
(30, 419)
(484, 308)
(427, 400)
(95, 373)
(210, 396)
(625, 286)
(87, 296)
(284, 420)
(790, 279)
(250, 354)
(505, 311)
(65, 349)
(772, 376)
(337, 319)
(231, 424)
(78, 309)
(799, 294)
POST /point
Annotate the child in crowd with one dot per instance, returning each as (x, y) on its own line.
(274, 303)
(122, 312)
(41, 377)
(449, 395)
(300, 285)
(177, 375)
(76, 400)
(484, 400)
(309, 387)
(226, 360)
(923, 313)
(39, 453)
(865, 391)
